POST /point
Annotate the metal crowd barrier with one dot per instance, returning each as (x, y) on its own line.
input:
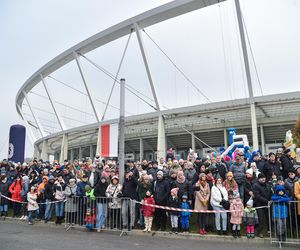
(102, 213)
(284, 223)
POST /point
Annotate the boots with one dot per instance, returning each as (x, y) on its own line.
(238, 233)
(234, 234)
(57, 220)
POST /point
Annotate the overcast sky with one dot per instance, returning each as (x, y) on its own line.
(204, 44)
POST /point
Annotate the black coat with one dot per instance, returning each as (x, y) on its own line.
(262, 194)
(130, 188)
(4, 189)
(161, 192)
(184, 188)
(49, 191)
(222, 169)
(287, 165)
(99, 191)
(173, 203)
(272, 168)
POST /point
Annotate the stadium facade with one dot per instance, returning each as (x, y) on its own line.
(147, 136)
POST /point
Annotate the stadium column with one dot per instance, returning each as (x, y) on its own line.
(193, 141)
(225, 138)
(64, 148)
(99, 142)
(44, 154)
(141, 149)
(248, 75)
(262, 138)
(161, 138)
(36, 152)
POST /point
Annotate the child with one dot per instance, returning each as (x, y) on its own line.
(89, 220)
(250, 218)
(237, 209)
(33, 207)
(174, 202)
(185, 216)
(280, 211)
(148, 211)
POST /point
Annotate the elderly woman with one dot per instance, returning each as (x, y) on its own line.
(72, 201)
(218, 193)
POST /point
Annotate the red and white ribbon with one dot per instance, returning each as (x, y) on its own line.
(192, 210)
(25, 202)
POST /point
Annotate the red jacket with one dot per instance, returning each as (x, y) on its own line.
(15, 189)
(147, 210)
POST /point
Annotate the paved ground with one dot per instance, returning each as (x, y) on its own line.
(19, 235)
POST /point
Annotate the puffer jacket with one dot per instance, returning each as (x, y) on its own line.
(280, 210)
(237, 213)
(32, 203)
(114, 192)
(15, 189)
(216, 196)
(147, 210)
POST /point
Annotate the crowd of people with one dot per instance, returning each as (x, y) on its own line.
(211, 183)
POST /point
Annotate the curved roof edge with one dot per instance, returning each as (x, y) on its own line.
(148, 18)
(287, 97)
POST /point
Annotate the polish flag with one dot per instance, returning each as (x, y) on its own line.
(109, 140)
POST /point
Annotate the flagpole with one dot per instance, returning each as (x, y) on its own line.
(121, 132)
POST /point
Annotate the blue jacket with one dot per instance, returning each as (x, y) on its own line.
(280, 210)
(185, 205)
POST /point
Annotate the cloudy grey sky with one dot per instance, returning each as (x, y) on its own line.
(204, 44)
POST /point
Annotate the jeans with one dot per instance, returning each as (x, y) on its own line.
(30, 213)
(101, 215)
(49, 210)
(217, 219)
(3, 208)
(59, 209)
(128, 204)
(241, 191)
(174, 221)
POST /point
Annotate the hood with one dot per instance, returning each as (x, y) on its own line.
(280, 188)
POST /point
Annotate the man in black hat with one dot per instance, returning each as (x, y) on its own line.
(286, 162)
(262, 195)
(272, 167)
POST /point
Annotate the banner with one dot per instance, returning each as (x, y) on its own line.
(16, 145)
(109, 140)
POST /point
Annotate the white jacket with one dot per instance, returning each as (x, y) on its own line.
(216, 197)
(32, 203)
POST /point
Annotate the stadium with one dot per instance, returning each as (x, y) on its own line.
(200, 127)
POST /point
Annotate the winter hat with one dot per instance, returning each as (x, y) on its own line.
(249, 171)
(229, 174)
(260, 176)
(184, 197)
(271, 154)
(279, 188)
(236, 195)
(296, 167)
(174, 191)
(50, 178)
(291, 170)
(115, 177)
(87, 188)
(160, 173)
(280, 178)
(250, 202)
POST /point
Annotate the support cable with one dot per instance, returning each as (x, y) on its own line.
(183, 74)
(117, 80)
(116, 77)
